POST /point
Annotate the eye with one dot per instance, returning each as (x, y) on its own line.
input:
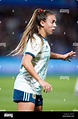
(53, 21)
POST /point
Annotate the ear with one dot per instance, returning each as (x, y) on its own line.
(42, 23)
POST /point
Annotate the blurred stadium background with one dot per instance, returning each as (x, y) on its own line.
(63, 75)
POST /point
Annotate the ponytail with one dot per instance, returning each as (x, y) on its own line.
(30, 29)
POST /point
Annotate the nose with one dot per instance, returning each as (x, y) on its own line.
(55, 25)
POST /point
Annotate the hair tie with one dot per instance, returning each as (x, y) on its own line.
(41, 10)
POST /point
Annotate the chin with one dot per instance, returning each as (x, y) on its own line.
(51, 33)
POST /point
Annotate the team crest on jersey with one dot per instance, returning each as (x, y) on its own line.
(34, 96)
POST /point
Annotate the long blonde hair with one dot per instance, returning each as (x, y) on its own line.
(30, 29)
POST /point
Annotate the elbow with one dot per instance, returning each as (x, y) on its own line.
(25, 63)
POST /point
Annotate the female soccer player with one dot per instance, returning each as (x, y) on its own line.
(34, 47)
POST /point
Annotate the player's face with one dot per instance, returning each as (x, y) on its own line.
(50, 24)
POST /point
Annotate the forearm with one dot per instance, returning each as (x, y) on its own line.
(56, 56)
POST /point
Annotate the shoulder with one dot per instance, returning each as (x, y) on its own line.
(37, 39)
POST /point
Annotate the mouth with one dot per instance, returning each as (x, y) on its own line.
(53, 30)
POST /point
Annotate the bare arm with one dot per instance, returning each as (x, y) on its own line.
(63, 57)
(56, 56)
(27, 63)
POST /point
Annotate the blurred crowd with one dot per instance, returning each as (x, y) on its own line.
(14, 20)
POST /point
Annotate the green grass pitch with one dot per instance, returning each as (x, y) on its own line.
(61, 98)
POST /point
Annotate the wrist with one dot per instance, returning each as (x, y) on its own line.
(63, 57)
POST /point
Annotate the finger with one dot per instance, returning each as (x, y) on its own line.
(69, 60)
(72, 53)
(71, 56)
(47, 88)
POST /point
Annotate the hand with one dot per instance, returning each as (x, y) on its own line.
(46, 86)
(67, 56)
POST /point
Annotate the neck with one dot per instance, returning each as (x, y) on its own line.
(42, 33)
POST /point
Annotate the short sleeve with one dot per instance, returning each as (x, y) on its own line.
(33, 47)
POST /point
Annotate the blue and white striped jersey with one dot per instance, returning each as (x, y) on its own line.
(41, 55)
